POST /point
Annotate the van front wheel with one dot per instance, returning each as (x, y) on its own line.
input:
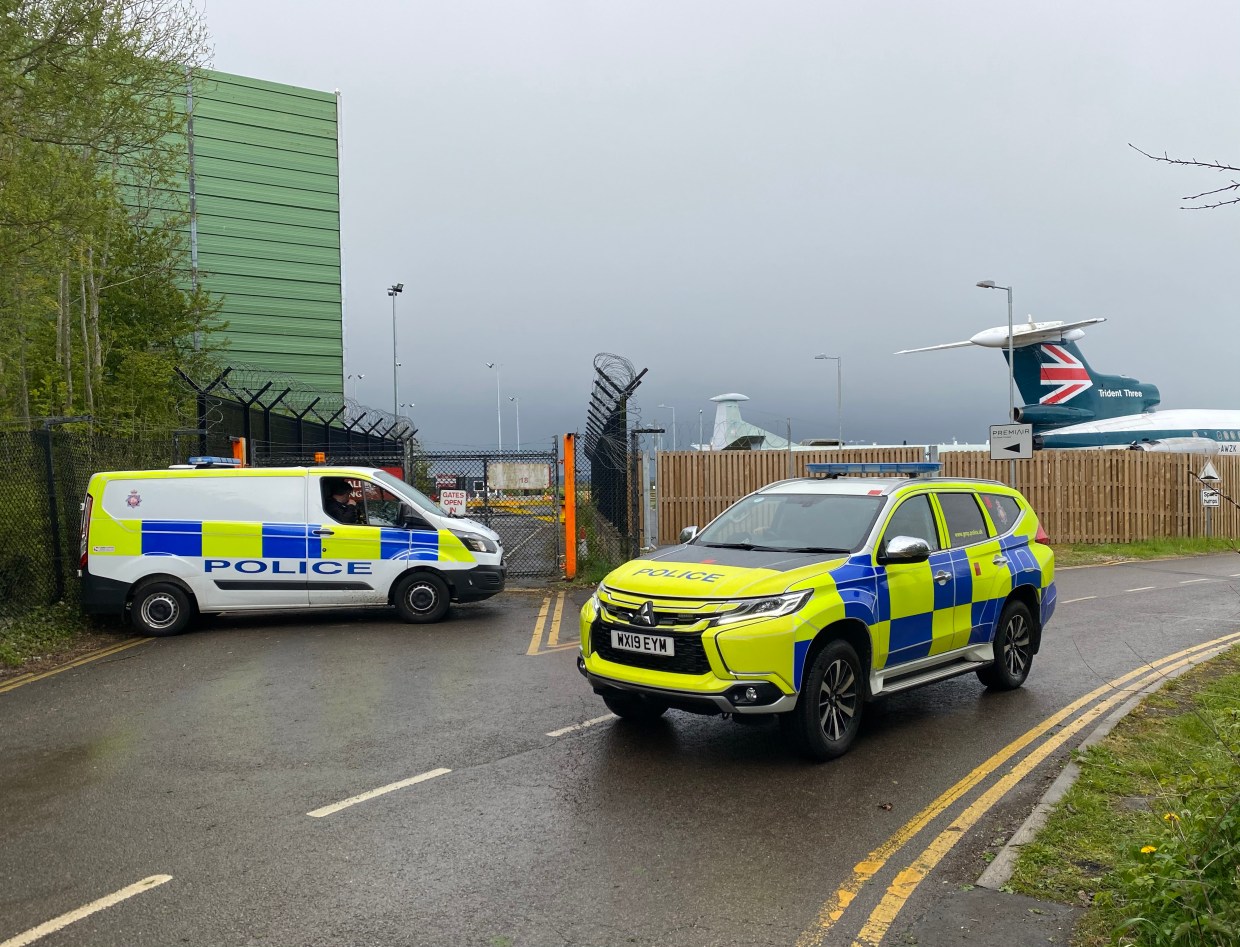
(422, 598)
(160, 609)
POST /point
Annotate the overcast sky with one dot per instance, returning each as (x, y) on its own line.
(720, 190)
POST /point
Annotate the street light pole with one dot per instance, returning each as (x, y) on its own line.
(499, 414)
(516, 399)
(673, 407)
(990, 284)
(839, 392)
(699, 428)
(395, 290)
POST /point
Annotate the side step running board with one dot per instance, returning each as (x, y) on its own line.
(955, 669)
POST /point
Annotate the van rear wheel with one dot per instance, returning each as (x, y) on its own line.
(160, 609)
(422, 598)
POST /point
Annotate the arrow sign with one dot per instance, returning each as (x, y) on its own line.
(1011, 441)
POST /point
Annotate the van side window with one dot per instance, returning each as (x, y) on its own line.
(915, 518)
(340, 500)
(1004, 511)
(965, 524)
(384, 508)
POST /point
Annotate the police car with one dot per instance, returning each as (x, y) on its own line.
(813, 596)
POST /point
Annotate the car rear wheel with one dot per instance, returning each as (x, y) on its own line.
(827, 716)
(1013, 649)
(160, 609)
(637, 708)
(422, 597)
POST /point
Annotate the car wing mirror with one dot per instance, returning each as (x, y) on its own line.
(687, 534)
(904, 549)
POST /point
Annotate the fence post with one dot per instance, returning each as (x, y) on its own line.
(570, 506)
(53, 513)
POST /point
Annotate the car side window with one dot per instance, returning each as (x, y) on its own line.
(914, 517)
(1004, 511)
(965, 524)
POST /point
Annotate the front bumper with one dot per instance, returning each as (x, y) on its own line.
(473, 585)
(702, 677)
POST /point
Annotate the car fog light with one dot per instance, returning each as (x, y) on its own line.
(751, 693)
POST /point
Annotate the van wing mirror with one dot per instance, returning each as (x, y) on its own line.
(905, 549)
(410, 518)
(687, 534)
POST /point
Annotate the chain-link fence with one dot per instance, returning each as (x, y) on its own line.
(515, 493)
(45, 472)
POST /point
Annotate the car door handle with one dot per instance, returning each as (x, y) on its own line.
(942, 577)
(323, 531)
(999, 560)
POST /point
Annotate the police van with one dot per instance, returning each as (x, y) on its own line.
(811, 597)
(162, 545)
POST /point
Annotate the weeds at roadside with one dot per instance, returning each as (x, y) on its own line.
(1150, 832)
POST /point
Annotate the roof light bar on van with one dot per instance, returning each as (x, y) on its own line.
(918, 468)
(214, 462)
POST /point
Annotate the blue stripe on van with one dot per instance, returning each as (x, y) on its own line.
(291, 541)
(172, 538)
(422, 545)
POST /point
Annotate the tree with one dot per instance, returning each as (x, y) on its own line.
(1232, 189)
(92, 119)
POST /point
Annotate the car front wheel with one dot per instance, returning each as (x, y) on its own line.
(1013, 649)
(827, 716)
(422, 597)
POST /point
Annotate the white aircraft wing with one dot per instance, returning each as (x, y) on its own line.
(1023, 334)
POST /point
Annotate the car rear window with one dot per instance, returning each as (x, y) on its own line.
(965, 524)
(1004, 511)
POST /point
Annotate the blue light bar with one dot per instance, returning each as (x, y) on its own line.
(888, 468)
(215, 462)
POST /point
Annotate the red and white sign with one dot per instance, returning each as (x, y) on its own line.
(453, 501)
(445, 481)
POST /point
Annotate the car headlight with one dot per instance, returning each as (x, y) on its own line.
(475, 542)
(772, 607)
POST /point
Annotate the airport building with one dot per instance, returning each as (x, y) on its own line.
(263, 186)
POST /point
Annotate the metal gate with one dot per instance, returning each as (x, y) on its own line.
(515, 493)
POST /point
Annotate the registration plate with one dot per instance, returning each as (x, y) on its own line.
(644, 644)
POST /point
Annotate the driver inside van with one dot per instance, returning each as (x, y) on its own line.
(339, 503)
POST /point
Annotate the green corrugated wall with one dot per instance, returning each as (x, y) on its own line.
(267, 182)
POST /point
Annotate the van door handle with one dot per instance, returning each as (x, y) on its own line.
(942, 577)
(322, 531)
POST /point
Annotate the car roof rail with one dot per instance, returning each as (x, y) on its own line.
(918, 468)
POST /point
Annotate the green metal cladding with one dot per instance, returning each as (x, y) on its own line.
(266, 183)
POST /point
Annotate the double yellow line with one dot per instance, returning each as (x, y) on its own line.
(556, 613)
(906, 881)
(21, 679)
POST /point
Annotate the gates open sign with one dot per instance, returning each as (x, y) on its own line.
(453, 501)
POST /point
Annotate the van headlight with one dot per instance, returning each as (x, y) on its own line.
(475, 542)
(772, 607)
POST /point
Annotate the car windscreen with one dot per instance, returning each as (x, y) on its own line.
(795, 522)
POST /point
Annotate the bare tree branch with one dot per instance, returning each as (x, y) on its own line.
(1234, 186)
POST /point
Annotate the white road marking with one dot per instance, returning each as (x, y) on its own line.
(1071, 600)
(1234, 575)
(382, 790)
(1191, 581)
(50, 927)
(564, 730)
(1143, 588)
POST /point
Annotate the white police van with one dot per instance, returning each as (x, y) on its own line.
(161, 545)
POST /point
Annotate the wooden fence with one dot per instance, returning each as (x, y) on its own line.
(1081, 496)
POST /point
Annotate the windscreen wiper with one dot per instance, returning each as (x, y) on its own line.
(814, 549)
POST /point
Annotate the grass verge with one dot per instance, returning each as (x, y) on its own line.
(1081, 554)
(51, 634)
(1149, 834)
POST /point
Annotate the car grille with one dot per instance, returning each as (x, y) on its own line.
(690, 656)
(661, 619)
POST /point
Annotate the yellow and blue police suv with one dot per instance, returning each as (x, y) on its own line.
(813, 596)
(161, 545)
